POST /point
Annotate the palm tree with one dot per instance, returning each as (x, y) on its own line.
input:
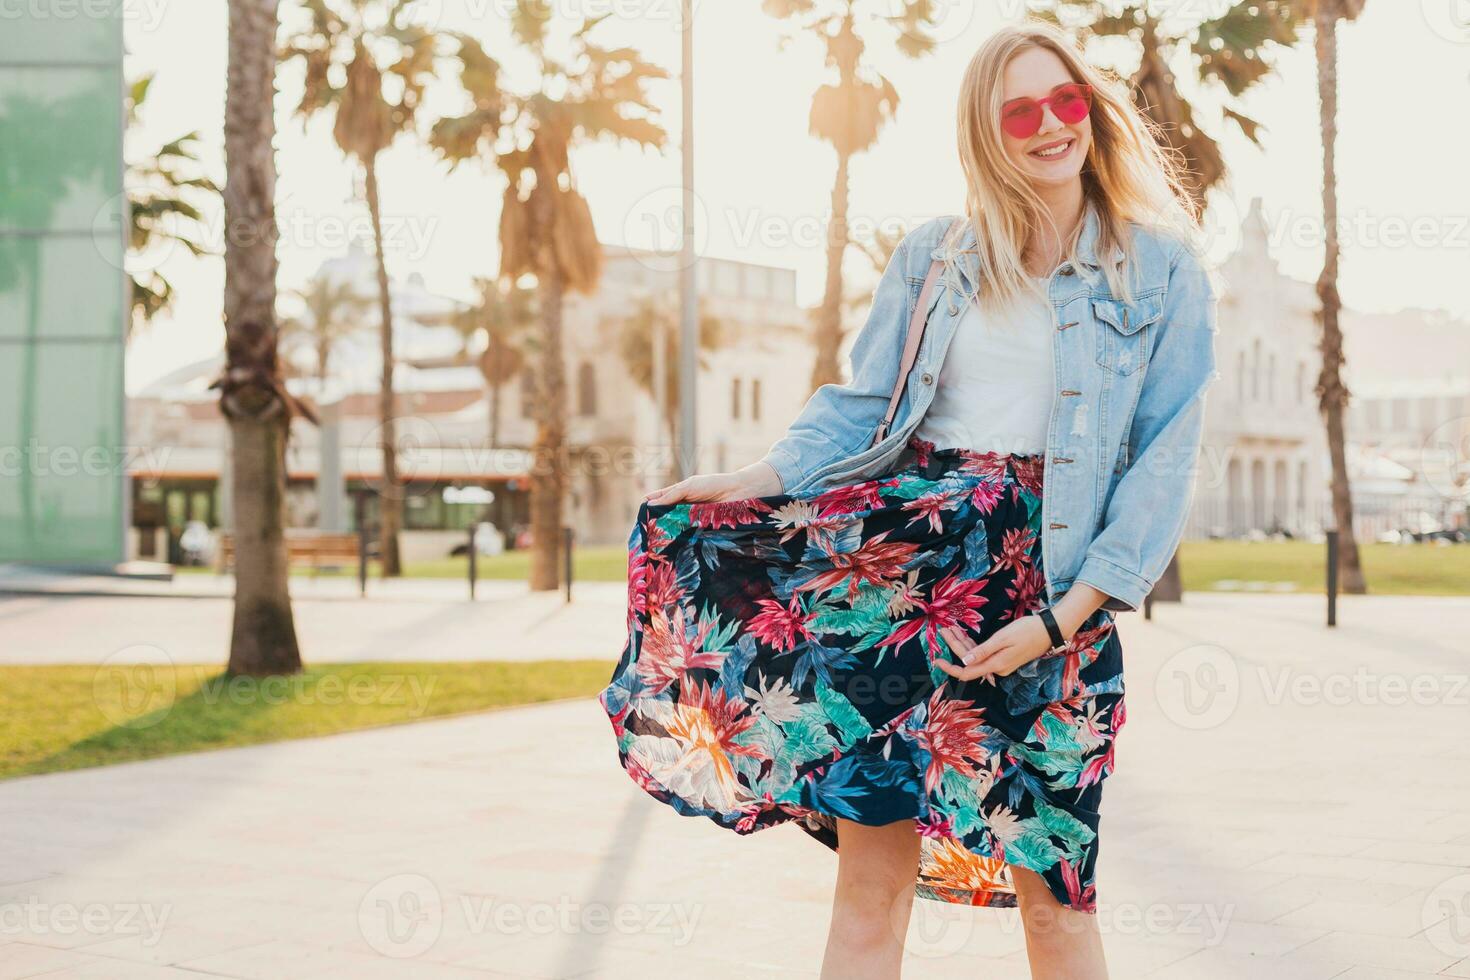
(546, 227)
(849, 113)
(648, 338)
(1332, 394)
(163, 187)
(499, 319)
(366, 61)
(252, 396)
(331, 310)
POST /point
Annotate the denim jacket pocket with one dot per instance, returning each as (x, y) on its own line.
(1121, 339)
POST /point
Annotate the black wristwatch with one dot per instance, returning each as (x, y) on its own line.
(1058, 641)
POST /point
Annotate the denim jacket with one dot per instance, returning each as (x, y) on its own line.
(1126, 418)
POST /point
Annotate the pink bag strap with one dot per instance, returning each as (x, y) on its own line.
(911, 342)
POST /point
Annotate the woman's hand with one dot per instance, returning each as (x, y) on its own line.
(755, 480)
(1016, 644)
(1011, 647)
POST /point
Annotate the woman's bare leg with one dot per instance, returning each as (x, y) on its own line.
(876, 868)
(1061, 943)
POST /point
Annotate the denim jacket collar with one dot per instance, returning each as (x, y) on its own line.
(968, 260)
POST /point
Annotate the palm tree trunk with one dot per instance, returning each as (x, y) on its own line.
(263, 633)
(323, 351)
(548, 479)
(494, 415)
(390, 496)
(828, 333)
(1332, 394)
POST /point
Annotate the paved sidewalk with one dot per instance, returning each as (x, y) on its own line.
(1290, 802)
(506, 621)
(17, 580)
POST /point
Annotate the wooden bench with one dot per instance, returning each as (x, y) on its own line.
(310, 547)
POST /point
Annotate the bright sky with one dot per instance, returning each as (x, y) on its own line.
(764, 185)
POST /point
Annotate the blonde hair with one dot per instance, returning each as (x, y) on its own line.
(1128, 175)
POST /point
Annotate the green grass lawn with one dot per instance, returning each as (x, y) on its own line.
(1391, 569)
(71, 717)
(609, 564)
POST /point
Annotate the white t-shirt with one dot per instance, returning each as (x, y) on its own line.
(995, 388)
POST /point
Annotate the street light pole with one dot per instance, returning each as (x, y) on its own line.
(688, 299)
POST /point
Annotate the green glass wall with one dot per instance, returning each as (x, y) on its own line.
(62, 287)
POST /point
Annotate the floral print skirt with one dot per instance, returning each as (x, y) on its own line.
(779, 668)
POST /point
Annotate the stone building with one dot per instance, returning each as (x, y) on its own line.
(748, 389)
(1263, 458)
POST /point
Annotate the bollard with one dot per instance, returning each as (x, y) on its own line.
(472, 555)
(566, 540)
(1332, 578)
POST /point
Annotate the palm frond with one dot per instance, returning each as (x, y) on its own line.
(1230, 47)
(574, 242)
(785, 9)
(528, 22)
(167, 189)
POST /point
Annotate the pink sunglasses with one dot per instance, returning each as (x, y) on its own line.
(1070, 102)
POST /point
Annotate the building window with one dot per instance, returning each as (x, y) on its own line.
(755, 399)
(1271, 380)
(735, 398)
(1301, 383)
(586, 389)
(1240, 377)
(1255, 370)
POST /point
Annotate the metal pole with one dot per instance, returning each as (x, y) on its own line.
(359, 511)
(688, 300)
(1332, 578)
(473, 528)
(566, 538)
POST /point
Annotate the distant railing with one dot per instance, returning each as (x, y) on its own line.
(1216, 515)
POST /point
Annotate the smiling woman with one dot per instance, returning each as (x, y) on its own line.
(897, 630)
